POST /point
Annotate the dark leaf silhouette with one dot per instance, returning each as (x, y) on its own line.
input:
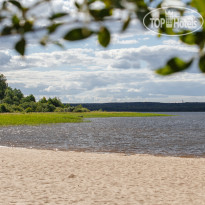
(78, 34)
(202, 63)
(20, 46)
(104, 36)
(174, 65)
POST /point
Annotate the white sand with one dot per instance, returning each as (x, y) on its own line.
(52, 177)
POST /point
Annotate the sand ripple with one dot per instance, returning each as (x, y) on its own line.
(49, 177)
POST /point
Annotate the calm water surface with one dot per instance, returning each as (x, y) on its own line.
(182, 135)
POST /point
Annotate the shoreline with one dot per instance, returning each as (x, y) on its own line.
(101, 152)
(30, 176)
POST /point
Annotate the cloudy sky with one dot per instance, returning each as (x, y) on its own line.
(86, 72)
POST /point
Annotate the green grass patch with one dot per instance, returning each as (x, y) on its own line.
(37, 118)
(118, 114)
(47, 118)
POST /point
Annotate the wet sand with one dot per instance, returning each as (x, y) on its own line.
(53, 177)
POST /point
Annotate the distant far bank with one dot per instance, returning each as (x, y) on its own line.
(145, 106)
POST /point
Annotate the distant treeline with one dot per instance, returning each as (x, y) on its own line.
(146, 107)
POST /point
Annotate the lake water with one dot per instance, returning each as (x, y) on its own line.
(182, 135)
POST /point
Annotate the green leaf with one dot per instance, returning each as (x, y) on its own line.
(2, 18)
(44, 40)
(199, 5)
(16, 3)
(202, 63)
(113, 4)
(200, 39)
(4, 7)
(126, 24)
(188, 39)
(57, 43)
(164, 28)
(20, 46)
(7, 30)
(99, 15)
(28, 26)
(77, 5)
(78, 34)
(141, 4)
(15, 20)
(174, 65)
(142, 14)
(104, 36)
(90, 1)
(58, 15)
(52, 28)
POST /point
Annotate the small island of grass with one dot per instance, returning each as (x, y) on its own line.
(12, 119)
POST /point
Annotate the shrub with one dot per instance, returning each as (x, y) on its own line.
(28, 109)
(17, 108)
(3, 108)
(69, 109)
(26, 105)
(79, 109)
(59, 109)
(45, 107)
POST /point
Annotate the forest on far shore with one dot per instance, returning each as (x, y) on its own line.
(146, 107)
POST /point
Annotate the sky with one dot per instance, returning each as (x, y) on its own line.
(84, 72)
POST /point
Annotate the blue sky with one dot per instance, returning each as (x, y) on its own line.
(86, 72)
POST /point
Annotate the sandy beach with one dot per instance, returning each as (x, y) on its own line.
(53, 177)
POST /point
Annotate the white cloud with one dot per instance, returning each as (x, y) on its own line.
(172, 42)
(5, 58)
(145, 39)
(69, 58)
(90, 61)
(113, 85)
(152, 56)
(125, 42)
(96, 75)
(168, 3)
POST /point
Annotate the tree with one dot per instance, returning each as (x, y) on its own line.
(18, 94)
(3, 108)
(16, 19)
(29, 98)
(9, 95)
(3, 86)
(43, 100)
(12, 96)
(56, 102)
(80, 108)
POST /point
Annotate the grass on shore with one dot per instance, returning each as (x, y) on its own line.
(117, 114)
(37, 118)
(47, 118)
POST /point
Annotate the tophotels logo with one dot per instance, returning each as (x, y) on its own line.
(173, 21)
